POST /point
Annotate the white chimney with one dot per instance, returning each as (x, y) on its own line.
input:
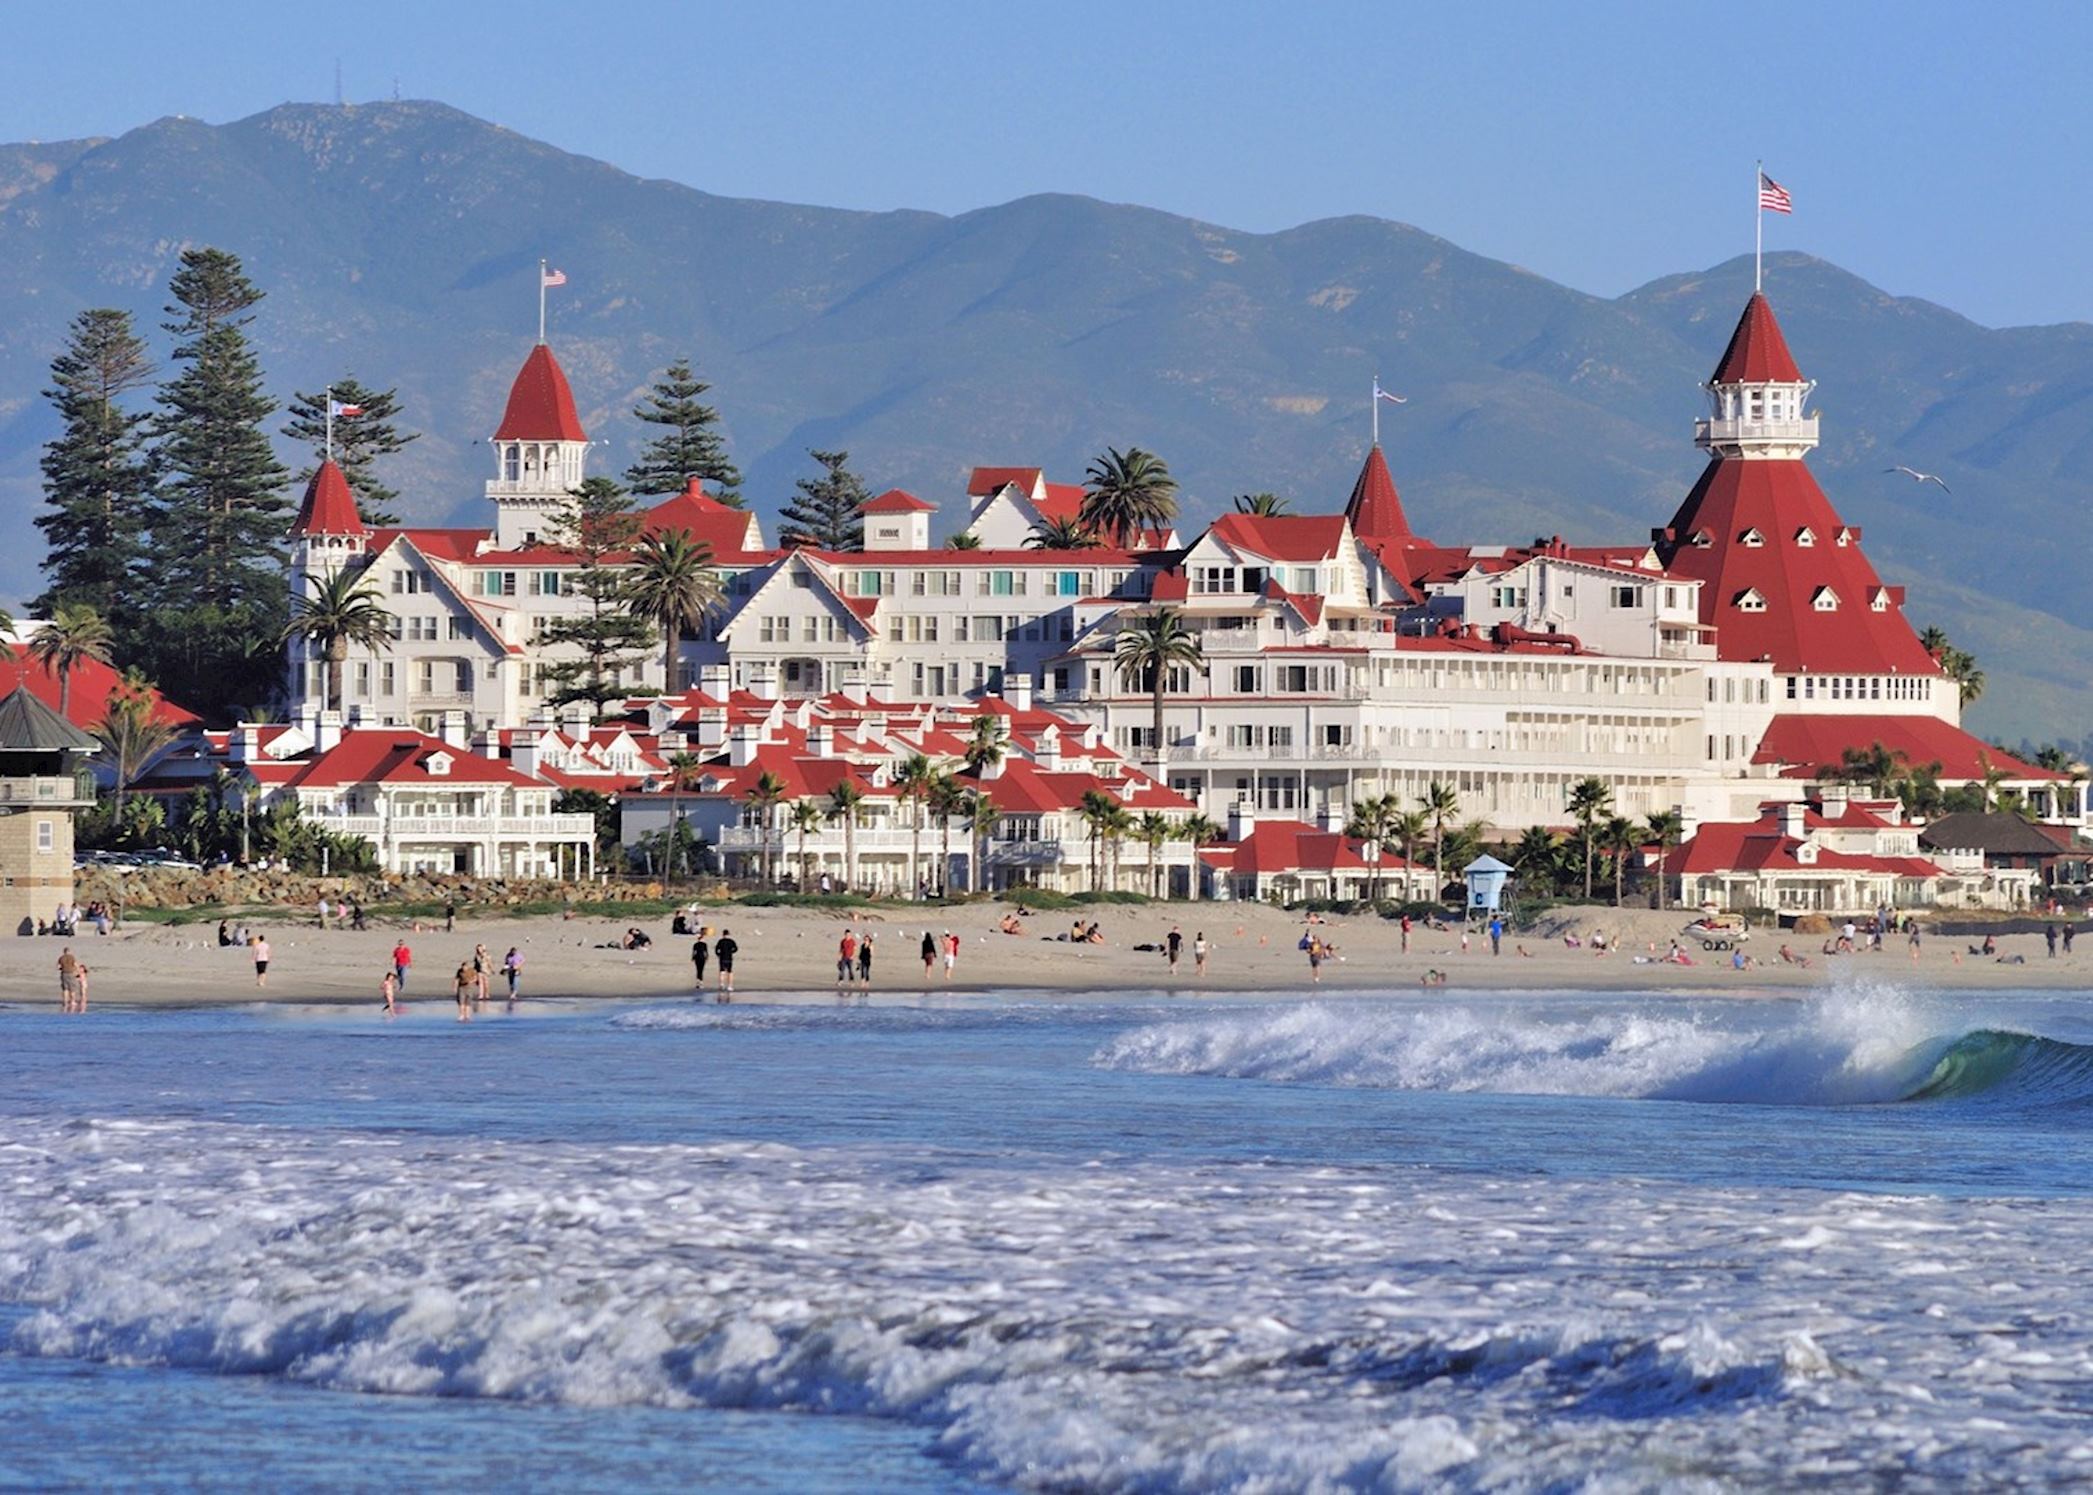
(712, 726)
(244, 743)
(763, 681)
(1017, 690)
(1331, 817)
(852, 685)
(716, 681)
(487, 742)
(1834, 797)
(1792, 819)
(452, 729)
(542, 719)
(821, 741)
(327, 731)
(673, 742)
(523, 754)
(307, 720)
(1093, 737)
(1046, 750)
(574, 716)
(741, 747)
(1242, 820)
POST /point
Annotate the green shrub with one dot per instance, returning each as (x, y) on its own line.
(1037, 898)
(1110, 896)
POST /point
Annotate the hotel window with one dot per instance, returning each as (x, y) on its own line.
(1627, 596)
(386, 678)
(1751, 539)
(425, 675)
(46, 836)
(363, 677)
(1826, 600)
(545, 584)
(455, 628)
(809, 630)
(1246, 679)
(1751, 602)
(463, 678)
(1805, 537)
(1067, 584)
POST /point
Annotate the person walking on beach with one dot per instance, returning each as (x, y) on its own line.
(512, 967)
(1174, 946)
(847, 958)
(261, 961)
(402, 958)
(72, 995)
(1496, 935)
(1200, 950)
(865, 962)
(724, 950)
(929, 954)
(482, 968)
(450, 917)
(700, 952)
(1315, 958)
(2050, 936)
(1405, 927)
(466, 984)
(1913, 939)
(951, 953)
(324, 910)
(388, 988)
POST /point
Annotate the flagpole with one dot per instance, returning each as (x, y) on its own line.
(1758, 226)
(1375, 402)
(330, 423)
(541, 301)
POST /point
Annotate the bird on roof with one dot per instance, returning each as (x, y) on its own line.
(1920, 477)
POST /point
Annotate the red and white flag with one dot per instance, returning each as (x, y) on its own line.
(550, 278)
(1773, 197)
(337, 409)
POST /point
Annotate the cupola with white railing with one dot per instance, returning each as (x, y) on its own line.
(1757, 395)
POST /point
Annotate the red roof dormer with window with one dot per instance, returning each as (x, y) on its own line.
(1782, 576)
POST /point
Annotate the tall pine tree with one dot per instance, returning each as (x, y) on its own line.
(599, 525)
(359, 441)
(825, 511)
(215, 573)
(97, 477)
(689, 445)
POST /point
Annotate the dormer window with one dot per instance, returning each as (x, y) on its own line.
(1805, 537)
(1702, 540)
(1826, 600)
(1750, 601)
(1751, 539)
(1844, 536)
(439, 765)
(1881, 601)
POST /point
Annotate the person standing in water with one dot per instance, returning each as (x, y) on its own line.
(71, 989)
(512, 967)
(388, 988)
(467, 985)
(865, 962)
(724, 949)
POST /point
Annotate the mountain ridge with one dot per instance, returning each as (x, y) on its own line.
(398, 241)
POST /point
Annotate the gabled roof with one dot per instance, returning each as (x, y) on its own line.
(1283, 537)
(1763, 846)
(986, 480)
(1276, 847)
(27, 725)
(1995, 833)
(1375, 510)
(541, 406)
(329, 507)
(1757, 353)
(896, 501)
(1804, 746)
(720, 528)
(93, 684)
(398, 755)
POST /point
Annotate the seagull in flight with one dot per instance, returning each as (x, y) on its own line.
(1920, 477)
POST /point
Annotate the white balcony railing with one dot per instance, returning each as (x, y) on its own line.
(1713, 432)
(462, 827)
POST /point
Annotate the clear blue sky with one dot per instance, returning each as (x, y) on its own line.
(1939, 150)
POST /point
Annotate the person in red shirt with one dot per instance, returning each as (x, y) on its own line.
(846, 957)
(402, 958)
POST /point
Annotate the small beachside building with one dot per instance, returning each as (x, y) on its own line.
(43, 760)
(1291, 861)
(1486, 878)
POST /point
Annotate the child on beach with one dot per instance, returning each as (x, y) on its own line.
(388, 988)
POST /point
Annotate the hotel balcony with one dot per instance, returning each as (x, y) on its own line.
(1713, 432)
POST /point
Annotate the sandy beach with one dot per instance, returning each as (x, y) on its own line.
(789, 953)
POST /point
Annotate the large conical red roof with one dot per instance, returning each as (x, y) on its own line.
(329, 507)
(541, 406)
(1757, 353)
(1783, 579)
(1374, 509)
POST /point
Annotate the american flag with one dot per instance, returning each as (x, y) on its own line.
(550, 278)
(1773, 197)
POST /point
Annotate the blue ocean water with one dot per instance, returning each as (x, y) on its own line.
(1455, 1241)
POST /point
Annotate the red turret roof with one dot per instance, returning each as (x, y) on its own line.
(895, 501)
(1776, 581)
(1757, 353)
(1374, 509)
(329, 507)
(541, 406)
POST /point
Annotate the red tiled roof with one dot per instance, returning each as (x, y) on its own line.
(986, 480)
(92, 684)
(541, 406)
(1060, 501)
(1280, 846)
(896, 501)
(1757, 353)
(1761, 846)
(1805, 746)
(1375, 510)
(397, 755)
(329, 507)
(1284, 537)
(1777, 500)
(437, 544)
(720, 528)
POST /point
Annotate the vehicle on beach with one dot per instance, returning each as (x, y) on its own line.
(1719, 931)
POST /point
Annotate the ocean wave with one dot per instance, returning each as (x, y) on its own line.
(966, 1014)
(1153, 1327)
(1858, 1046)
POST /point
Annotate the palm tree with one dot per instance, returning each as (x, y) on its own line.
(75, 635)
(1064, 533)
(982, 812)
(1369, 824)
(1407, 827)
(986, 747)
(1201, 832)
(1620, 839)
(684, 770)
(944, 799)
(1127, 492)
(344, 609)
(131, 739)
(1876, 766)
(1264, 505)
(1535, 854)
(1154, 830)
(912, 784)
(1440, 804)
(1095, 810)
(1667, 828)
(843, 802)
(765, 795)
(1589, 800)
(673, 586)
(807, 817)
(1118, 825)
(1149, 646)
(964, 540)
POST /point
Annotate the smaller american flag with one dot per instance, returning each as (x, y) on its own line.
(1773, 197)
(550, 278)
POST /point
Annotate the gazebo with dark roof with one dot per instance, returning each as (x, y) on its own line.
(41, 754)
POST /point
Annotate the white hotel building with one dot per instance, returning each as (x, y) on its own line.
(1726, 661)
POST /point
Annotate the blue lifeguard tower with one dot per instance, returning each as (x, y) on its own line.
(1486, 877)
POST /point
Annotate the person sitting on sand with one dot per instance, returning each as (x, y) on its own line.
(1525, 952)
(1991, 945)
(1570, 941)
(1010, 925)
(1432, 977)
(1096, 936)
(2012, 960)
(637, 938)
(1790, 958)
